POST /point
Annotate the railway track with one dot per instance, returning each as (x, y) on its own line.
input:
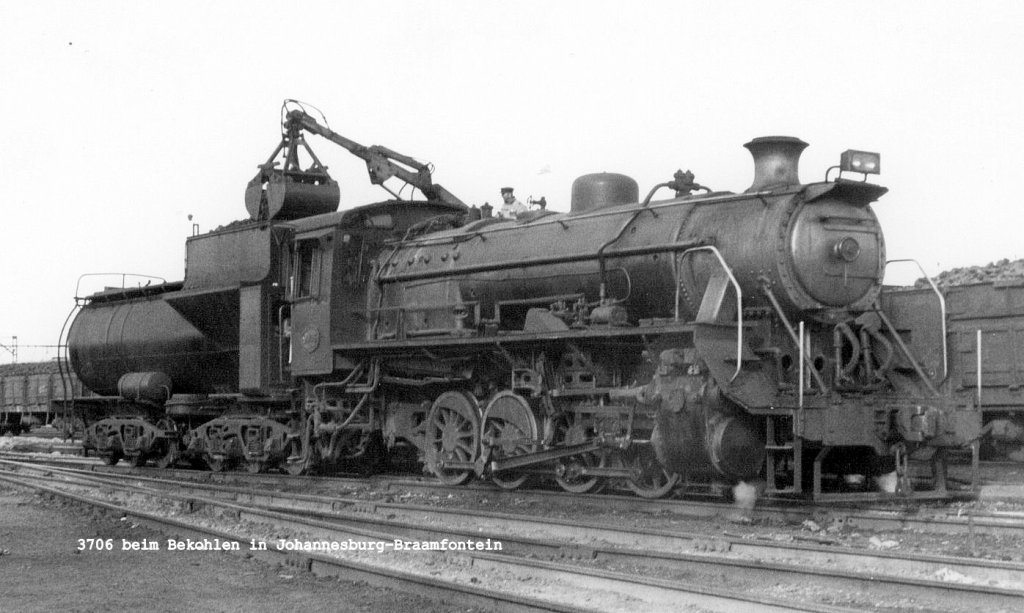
(990, 472)
(667, 556)
(954, 520)
(996, 473)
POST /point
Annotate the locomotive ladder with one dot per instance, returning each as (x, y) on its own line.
(783, 447)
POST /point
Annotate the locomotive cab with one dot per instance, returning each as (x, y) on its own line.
(332, 260)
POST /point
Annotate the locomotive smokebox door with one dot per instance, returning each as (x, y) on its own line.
(310, 281)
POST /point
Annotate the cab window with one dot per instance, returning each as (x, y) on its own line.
(307, 269)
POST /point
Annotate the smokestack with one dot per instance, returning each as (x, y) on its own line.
(776, 159)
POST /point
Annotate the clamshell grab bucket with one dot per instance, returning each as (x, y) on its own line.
(279, 194)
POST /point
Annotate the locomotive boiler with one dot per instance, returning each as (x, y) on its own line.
(711, 337)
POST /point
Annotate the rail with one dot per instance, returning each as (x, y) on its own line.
(739, 298)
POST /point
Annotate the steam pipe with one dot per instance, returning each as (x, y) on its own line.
(534, 262)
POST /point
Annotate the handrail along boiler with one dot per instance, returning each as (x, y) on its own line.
(707, 337)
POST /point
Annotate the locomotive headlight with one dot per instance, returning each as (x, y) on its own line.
(846, 249)
(860, 161)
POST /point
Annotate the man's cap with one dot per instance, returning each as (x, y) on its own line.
(506, 190)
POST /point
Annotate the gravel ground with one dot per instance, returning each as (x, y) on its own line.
(43, 570)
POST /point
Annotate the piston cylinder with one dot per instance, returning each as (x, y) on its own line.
(735, 446)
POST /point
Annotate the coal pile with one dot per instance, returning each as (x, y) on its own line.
(1003, 270)
(28, 368)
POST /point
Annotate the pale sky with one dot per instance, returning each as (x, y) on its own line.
(122, 118)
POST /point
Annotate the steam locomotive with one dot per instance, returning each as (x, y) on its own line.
(710, 337)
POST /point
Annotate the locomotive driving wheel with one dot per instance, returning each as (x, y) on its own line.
(570, 472)
(651, 480)
(510, 429)
(452, 436)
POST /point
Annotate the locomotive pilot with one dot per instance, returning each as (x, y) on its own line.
(511, 206)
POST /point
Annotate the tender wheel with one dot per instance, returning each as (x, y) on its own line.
(652, 480)
(569, 471)
(511, 429)
(110, 459)
(171, 447)
(168, 459)
(452, 435)
(217, 466)
(294, 468)
(299, 459)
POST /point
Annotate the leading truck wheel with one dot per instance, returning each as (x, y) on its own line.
(452, 437)
(651, 479)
